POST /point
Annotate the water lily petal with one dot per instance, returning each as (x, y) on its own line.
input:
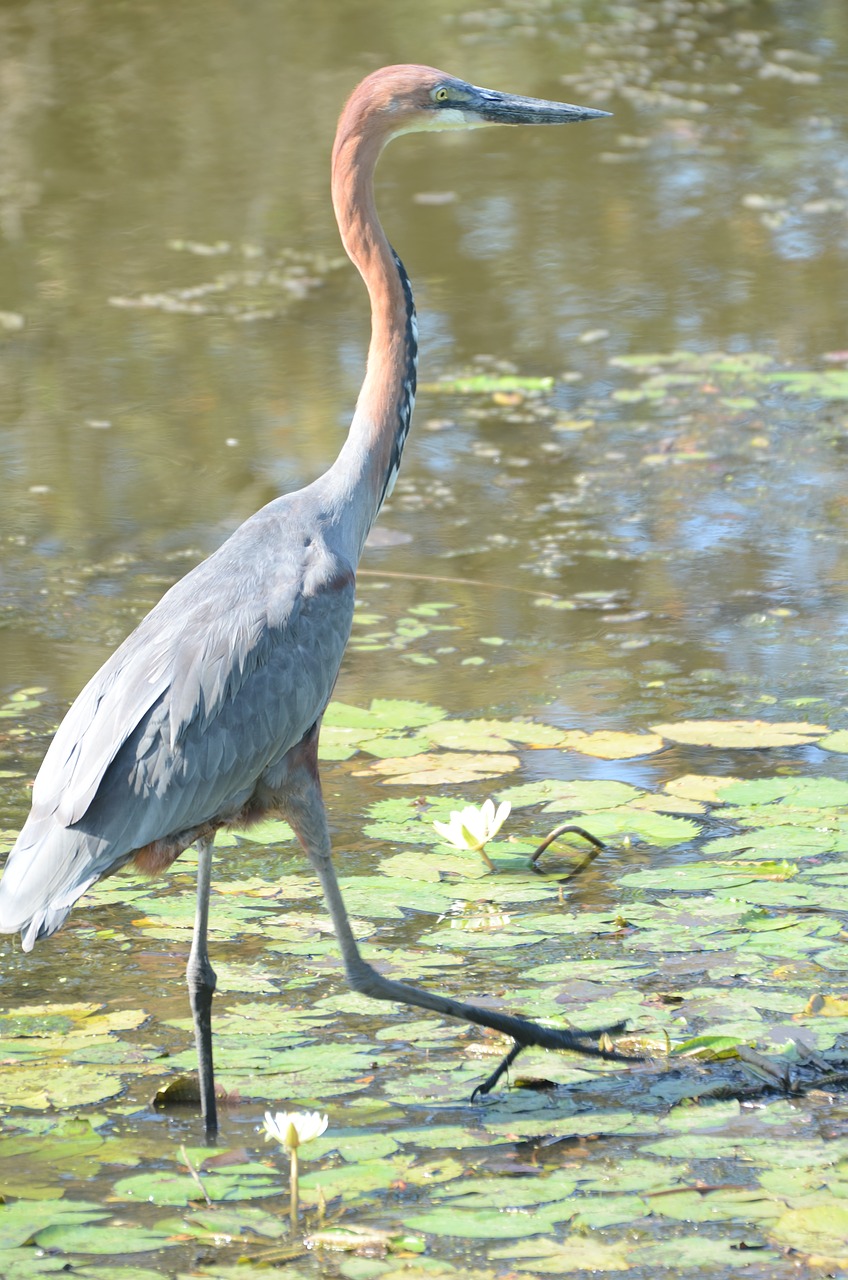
(470, 840)
(474, 820)
(449, 832)
(501, 816)
(293, 1128)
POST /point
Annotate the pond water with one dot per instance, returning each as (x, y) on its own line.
(650, 534)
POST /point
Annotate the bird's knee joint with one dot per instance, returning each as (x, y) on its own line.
(363, 979)
(200, 975)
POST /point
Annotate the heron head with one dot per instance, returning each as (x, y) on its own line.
(410, 98)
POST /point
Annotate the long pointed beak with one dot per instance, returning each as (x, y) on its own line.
(509, 108)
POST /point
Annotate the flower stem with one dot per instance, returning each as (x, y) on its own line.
(294, 1188)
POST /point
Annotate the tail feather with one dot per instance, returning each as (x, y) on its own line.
(48, 869)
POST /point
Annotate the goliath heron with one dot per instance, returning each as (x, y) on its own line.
(208, 714)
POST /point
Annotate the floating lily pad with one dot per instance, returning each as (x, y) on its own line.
(115, 1272)
(701, 1254)
(175, 1186)
(117, 1241)
(444, 769)
(20, 1222)
(580, 1252)
(72, 1148)
(700, 787)
(355, 1180)
(741, 734)
(269, 831)
(383, 713)
(721, 1205)
(53, 1086)
(488, 1224)
(827, 1006)
(468, 735)
(487, 384)
(611, 745)
(225, 1220)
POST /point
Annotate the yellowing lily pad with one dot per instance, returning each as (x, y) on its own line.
(827, 1006)
(698, 786)
(41, 1087)
(432, 769)
(738, 734)
(667, 804)
(609, 745)
(84, 1017)
(468, 735)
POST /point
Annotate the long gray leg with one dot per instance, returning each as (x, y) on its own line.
(305, 811)
(201, 980)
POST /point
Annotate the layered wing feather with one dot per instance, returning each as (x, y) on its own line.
(222, 678)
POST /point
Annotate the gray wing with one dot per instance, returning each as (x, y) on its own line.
(223, 676)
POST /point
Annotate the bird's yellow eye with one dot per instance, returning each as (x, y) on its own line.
(441, 95)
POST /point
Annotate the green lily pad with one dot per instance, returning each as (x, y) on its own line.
(175, 1186)
(579, 1252)
(269, 831)
(487, 384)
(224, 1220)
(701, 1254)
(21, 1221)
(383, 713)
(32, 1263)
(488, 1224)
(113, 1272)
(366, 1176)
(715, 1205)
(116, 1241)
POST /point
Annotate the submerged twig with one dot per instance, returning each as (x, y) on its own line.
(195, 1175)
(569, 828)
(776, 1072)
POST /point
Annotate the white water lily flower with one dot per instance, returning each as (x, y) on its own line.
(473, 828)
(293, 1128)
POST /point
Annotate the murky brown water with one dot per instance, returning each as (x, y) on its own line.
(709, 213)
(148, 151)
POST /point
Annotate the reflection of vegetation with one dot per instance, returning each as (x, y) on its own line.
(262, 290)
(737, 377)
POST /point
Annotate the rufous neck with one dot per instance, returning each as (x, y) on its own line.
(368, 462)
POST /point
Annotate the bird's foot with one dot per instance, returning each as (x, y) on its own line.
(489, 1083)
(565, 1039)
